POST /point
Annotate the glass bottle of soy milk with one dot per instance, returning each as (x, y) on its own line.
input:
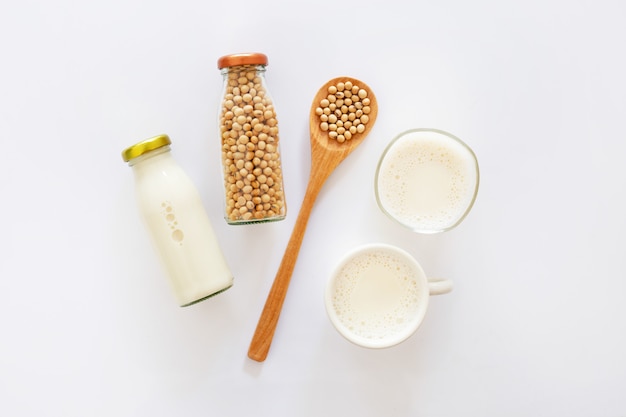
(177, 222)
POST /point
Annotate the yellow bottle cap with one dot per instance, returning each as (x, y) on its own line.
(145, 146)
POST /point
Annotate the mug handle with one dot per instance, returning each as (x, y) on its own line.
(438, 286)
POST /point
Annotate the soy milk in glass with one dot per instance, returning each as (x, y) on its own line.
(177, 222)
(427, 180)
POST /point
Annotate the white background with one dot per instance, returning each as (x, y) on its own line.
(536, 324)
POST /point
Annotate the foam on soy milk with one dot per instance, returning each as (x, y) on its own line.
(376, 295)
(427, 180)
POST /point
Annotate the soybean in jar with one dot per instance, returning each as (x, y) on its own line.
(248, 128)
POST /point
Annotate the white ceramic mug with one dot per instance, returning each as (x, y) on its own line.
(377, 296)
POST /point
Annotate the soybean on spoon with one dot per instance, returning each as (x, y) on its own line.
(326, 154)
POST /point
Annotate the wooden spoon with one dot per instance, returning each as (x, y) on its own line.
(326, 154)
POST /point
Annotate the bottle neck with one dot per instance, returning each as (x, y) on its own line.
(161, 152)
(239, 69)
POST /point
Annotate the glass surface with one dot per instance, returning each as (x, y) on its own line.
(250, 148)
(427, 180)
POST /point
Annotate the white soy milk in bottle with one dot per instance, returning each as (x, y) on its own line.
(177, 222)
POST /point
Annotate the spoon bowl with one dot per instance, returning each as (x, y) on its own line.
(326, 154)
(326, 151)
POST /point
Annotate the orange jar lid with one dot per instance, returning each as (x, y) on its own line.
(254, 58)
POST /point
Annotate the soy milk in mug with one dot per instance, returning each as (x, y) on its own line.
(378, 295)
(427, 180)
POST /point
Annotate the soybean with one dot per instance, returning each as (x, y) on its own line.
(250, 152)
(343, 112)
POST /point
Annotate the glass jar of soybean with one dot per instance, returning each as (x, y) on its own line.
(248, 129)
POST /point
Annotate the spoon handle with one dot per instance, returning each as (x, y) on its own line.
(262, 339)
